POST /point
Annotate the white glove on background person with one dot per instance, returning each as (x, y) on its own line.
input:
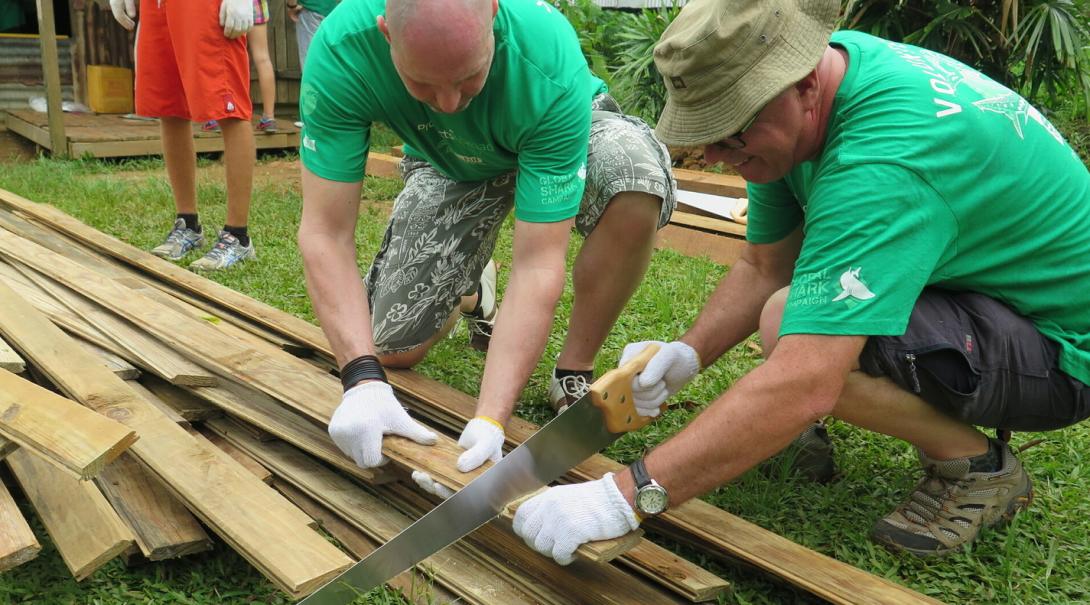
(432, 486)
(557, 521)
(236, 17)
(483, 440)
(367, 412)
(124, 12)
(668, 372)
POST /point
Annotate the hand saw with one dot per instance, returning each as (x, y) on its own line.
(587, 426)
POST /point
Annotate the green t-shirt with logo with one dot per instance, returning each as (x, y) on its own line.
(533, 113)
(932, 175)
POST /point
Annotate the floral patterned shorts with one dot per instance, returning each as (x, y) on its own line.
(442, 232)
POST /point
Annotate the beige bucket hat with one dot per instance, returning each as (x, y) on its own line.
(724, 60)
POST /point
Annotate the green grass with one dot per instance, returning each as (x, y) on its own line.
(1040, 558)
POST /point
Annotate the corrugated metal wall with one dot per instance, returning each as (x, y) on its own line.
(21, 71)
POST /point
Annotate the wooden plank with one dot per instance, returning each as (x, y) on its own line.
(150, 353)
(712, 225)
(84, 528)
(371, 515)
(260, 313)
(68, 435)
(87, 335)
(254, 408)
(36, 134)
(240, 456)
(47, 37)
(383, 165)
(76, 251)
(17, 542)
(720, 249)
(121, 368)
(160, 405)
(211, 485)
(10, 360)
(183, 403)
(415, 586)
(591, 584)
(162, 526)
(285, 460)
(7, 446)
(728, 185)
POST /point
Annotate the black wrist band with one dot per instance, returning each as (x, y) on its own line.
(365, 367)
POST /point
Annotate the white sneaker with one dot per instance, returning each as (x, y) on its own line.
(481, 320)
(567, 390)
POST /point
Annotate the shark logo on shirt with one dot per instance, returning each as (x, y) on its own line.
(852, 287)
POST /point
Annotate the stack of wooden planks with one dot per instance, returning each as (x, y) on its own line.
(224, 425)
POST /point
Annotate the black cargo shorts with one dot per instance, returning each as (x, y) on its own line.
(979, 361)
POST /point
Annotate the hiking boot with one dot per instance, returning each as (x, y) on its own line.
(227, 251)
(179, 242)
(951, 504)
(567, 389)
(479, 321)
(809, 455)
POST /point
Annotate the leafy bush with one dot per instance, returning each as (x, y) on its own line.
(618, 46)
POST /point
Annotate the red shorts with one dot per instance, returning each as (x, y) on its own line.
(185, 67)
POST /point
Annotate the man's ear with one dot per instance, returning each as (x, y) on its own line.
(808, 90)
(383, 27)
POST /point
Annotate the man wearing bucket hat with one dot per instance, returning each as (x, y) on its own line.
(903, 269)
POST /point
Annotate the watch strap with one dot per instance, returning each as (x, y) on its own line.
(640, 474)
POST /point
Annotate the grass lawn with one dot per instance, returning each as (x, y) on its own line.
(1034, 560)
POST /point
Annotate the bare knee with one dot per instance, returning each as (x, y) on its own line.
(771, 318)
(631, 212)
(404, 359)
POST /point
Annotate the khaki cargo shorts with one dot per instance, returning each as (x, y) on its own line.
(442, 232)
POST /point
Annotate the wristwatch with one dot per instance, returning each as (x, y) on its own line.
(651, 498)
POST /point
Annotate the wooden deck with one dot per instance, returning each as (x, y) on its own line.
(110, 135)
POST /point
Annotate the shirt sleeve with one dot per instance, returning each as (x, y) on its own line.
(874, 237)
(552, 162)
(336, 132)
(773, 212)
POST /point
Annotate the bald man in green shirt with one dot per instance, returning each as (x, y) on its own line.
(499, 112)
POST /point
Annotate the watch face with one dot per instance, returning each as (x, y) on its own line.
(652, 500)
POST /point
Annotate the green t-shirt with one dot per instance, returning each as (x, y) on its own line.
(533, 113)
(322, 7)
(932, 174)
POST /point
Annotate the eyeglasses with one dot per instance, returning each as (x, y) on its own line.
(735, 140)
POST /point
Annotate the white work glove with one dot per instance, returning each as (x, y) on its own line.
(236, 17)
(556, 522)
(483, 440)
(668, 372)
(432, 486)
(124, 12)
(367, 412)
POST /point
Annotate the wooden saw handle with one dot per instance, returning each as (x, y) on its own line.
(612, 393)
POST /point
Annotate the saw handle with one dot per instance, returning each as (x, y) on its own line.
(612, 393)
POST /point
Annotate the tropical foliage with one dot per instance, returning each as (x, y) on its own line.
(1040, 48)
